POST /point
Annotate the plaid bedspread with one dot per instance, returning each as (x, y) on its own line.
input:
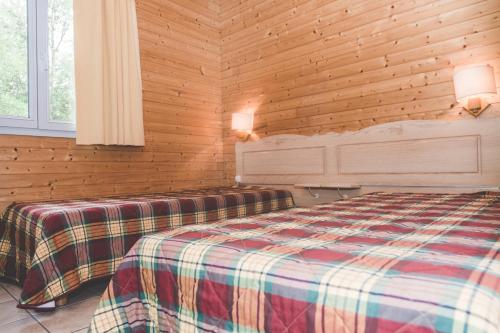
(376, 263)
(52, 248)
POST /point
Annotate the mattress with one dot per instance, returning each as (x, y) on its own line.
(53, 248)
(377, 263)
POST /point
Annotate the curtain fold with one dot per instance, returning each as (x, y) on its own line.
(107, 73)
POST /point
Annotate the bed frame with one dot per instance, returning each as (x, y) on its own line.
(416, 156)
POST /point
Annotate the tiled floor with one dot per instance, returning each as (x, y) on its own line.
(73, 317)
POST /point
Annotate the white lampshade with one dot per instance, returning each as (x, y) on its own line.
(474, 81)
(242, 121)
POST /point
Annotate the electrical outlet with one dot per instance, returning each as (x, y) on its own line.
(237, 179)
(316, 195)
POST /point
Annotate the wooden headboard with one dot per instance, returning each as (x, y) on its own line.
(460, 155)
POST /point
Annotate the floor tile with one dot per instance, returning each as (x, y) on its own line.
(27, 325)
(4, 295)
(88, 290)
(69, 318)
(13, 289)
(10, 313)
(74, 317)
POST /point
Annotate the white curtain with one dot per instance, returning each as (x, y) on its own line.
(107, 73)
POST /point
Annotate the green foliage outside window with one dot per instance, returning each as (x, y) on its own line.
(14, 59)
(61, 86)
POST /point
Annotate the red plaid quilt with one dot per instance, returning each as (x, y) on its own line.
(376, 263)
(52, 248)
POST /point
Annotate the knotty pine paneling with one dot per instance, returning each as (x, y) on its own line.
(181, 70)
(308, 67)
(304, 67)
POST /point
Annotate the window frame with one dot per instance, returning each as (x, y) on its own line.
(38, 122)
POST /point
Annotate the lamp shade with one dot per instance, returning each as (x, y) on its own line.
(474, 81)
(242, 121)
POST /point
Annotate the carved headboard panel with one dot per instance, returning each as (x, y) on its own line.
(459, 154)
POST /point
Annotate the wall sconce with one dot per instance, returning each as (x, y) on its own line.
(242, 123)
(472, 85)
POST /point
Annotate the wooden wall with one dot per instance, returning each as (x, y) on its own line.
(181, 54)
(315, 66)
(304, 66)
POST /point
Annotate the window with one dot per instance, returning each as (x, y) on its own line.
(36, 67)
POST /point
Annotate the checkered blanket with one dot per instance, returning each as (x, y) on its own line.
(376, 263)
(52, 248)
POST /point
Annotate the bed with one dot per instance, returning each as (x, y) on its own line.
(381, 262)
(53, 248)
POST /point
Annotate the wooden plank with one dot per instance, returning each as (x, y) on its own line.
(305, 67)
(460, 154)
(180, 57)
(284, 162)
(316, 67)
